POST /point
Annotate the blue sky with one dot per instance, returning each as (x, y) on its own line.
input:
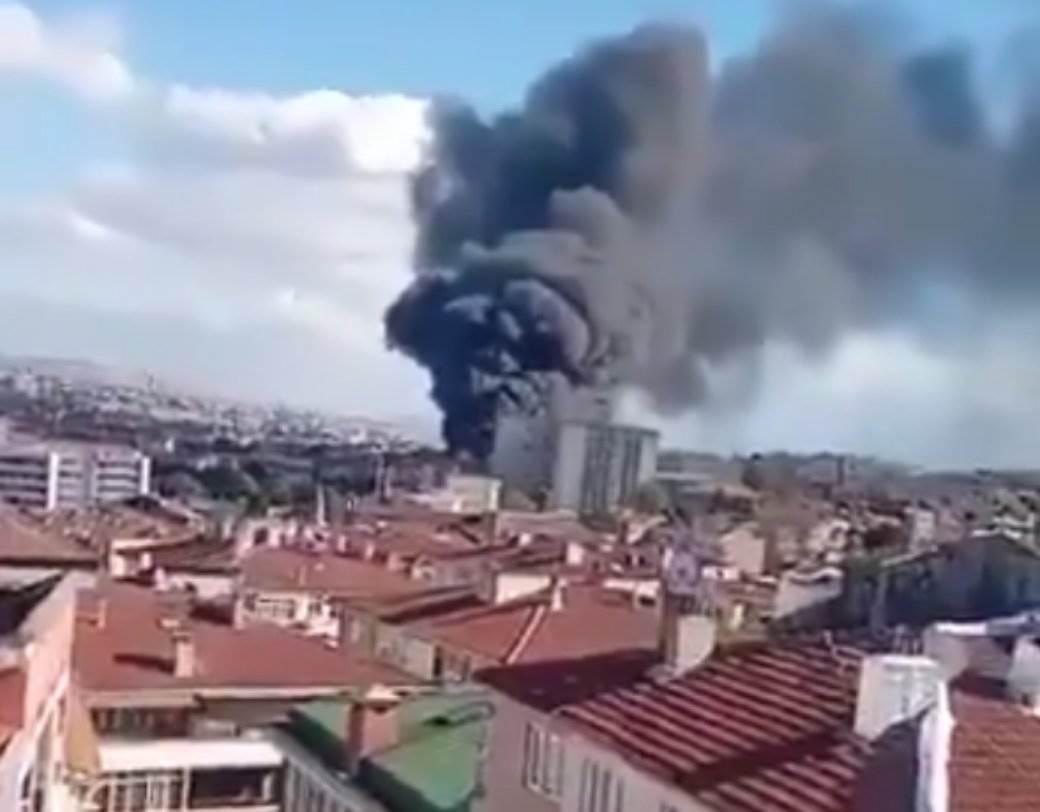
(484, 51)
(177, 193)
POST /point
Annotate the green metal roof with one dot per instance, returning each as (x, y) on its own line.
(433, 767)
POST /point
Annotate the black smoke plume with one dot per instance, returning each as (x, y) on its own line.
(639, 221)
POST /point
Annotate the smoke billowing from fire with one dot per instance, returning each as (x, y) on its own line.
(641, 221)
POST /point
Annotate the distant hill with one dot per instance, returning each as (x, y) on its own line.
(77, 370)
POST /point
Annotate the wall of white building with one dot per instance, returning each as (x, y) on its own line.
(630, 789)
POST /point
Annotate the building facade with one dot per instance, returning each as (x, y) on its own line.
(36, 623)
(599, 466)
(54, 477)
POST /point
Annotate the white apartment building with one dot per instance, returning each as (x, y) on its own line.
(599, 466)
(574, 452)
(53, 476)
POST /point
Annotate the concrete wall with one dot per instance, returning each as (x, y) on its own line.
(745, 549)
(503, 783)
(641, 790)
(206, 586)
(569, 467)
(522, 456)
(47, 639)
(394, 646)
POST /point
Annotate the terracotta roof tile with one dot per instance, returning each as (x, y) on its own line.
(763, 726)
(23, 543)
(293, 569)
(133, 651)
(994, 755)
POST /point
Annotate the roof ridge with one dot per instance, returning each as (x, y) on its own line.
(534, 621)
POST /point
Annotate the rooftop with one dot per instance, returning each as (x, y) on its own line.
(20, 594)
(995, 752)
(96, 524)
(23, 543)
(759, 726)
(432, 766)
(131, 649)
(591, 622)
(199, 554)
(295, 569)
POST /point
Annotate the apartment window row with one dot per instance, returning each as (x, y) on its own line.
(601, 790)
(269, 607)
(542, 768)
(140, 792)
(304, 794)
(143, 722)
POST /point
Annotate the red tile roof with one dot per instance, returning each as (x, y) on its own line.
(23, 543)
(994, 756)
(132, 651)
(592, 621)
(295, 570)
(199, 554)
(763, 726)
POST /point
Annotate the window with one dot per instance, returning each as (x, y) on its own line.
(142, 791)
(25, 792)
(542, 768)
(601, 791)
(275, 609)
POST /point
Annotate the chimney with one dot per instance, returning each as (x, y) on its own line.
(394, 562)
(1023, 679)
(238, 610)
(557, 594)
(687, 640)
(894, 688)
(368, 551)
(183, 655)
(574, 555)
(371, 725)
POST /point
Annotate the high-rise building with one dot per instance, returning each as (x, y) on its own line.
(52, 476)
(574, 453)
(597, 467)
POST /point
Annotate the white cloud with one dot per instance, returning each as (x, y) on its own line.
(275, 226)
(321, 132)
(78, 56)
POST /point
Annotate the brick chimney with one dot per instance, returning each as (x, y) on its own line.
(183, 654)
(371, 725)
(557, 594)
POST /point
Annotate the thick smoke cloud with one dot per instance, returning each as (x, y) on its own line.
(642, 222)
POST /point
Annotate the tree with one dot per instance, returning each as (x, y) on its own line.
(181, 485)
(227, 481)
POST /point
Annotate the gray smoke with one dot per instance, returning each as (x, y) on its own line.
(639, 221)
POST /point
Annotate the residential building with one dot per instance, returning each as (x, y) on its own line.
(820, 724)
(303, 588)
(419, 752)
(36, 623)
(179, 702)
(573, 453)
(536, 654)
(51, 476)
(599, 467)
(979, 577)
